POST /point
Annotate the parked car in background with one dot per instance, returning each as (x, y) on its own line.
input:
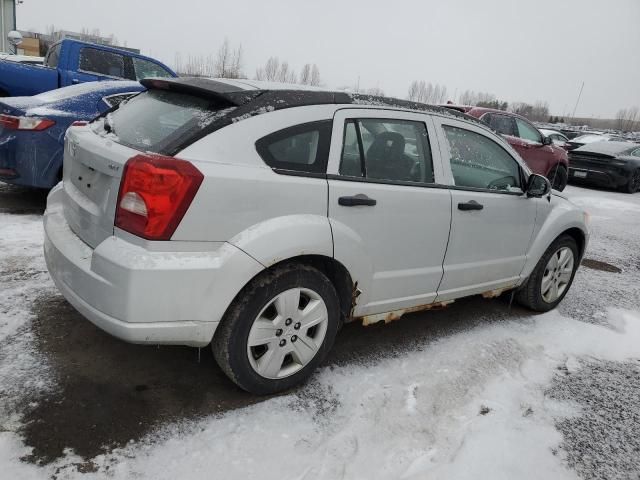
(32, 129)
(29, 60)
(587, 138)
(607, 164)
(154, 234)
(540, 153)
(70, 62)
(556, 137)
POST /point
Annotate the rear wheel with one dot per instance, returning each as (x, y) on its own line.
(558, 178)
(551, 279)
(278, 329)
(634, 183)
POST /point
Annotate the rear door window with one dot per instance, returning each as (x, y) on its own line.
(302, 148)
(387, 149)
(160, 121)
(101, 62)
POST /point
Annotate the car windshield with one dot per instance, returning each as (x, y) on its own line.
(155, 120)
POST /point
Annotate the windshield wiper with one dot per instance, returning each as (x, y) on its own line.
(107, 125)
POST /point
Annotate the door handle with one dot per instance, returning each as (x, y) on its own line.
(470, 205)
(359, 199)
(75, 81)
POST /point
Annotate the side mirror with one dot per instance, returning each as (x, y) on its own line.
(537, 186)
(546, 140)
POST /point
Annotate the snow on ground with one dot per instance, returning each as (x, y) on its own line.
(530, 397)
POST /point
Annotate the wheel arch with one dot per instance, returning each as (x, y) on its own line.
(337, 274)
(548, 234)
(304, 239)
(335, 271)
(579, 236)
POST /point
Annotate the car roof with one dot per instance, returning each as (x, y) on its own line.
(245, 99)
(262, 97)
(607, 148)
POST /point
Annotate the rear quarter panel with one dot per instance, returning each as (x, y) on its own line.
(270, 216)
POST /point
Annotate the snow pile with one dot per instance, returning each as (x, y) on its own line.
(23, 370)
(468, 406)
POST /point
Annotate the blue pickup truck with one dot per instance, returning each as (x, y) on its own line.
(70, 62)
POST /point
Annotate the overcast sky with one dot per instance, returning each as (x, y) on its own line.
(519, 51)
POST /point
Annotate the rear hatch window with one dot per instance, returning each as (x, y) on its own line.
(158, 120)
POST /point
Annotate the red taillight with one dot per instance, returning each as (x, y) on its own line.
(155, 192)
(25, 123)
(79, 123)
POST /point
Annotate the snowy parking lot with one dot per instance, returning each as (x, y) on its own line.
(481, 389)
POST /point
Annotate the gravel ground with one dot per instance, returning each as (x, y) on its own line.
(602, 442)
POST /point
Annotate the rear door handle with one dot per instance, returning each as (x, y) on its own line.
(355, 200)
(470, 205)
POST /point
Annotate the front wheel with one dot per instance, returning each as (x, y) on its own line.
(559, 178)
(278, 329)
(634, 182)
(551, 279)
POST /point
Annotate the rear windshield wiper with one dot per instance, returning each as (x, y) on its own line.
(107, 125)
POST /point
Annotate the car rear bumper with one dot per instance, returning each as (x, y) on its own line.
(31, 159)
(140, 295)
(595, 176)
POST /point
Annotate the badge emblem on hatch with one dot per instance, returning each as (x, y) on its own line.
(72, 148)
(115, 167)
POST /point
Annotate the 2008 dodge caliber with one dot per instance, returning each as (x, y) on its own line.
(258, 220)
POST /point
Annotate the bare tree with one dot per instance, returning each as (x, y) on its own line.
(305, 74)
(269, 71)
(228, 62)
(540, 111)
(377, 91)
(423, 92)
(286, 74)
(223, 60)
(627, 119)
(275, 71)
(315, 76)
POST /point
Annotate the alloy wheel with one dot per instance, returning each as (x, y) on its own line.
(634, 182)
(557, 275)
(287, 334)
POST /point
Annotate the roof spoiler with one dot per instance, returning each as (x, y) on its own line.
(204, 88)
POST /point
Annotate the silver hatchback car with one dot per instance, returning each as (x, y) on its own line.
(258, 219)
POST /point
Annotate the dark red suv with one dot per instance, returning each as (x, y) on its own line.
(538, 151)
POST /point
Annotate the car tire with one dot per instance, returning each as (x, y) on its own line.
(558, 178)
(634, 182)
(268, 303)
(535, 293)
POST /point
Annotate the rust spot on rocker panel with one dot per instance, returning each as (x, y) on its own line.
(388, 317)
